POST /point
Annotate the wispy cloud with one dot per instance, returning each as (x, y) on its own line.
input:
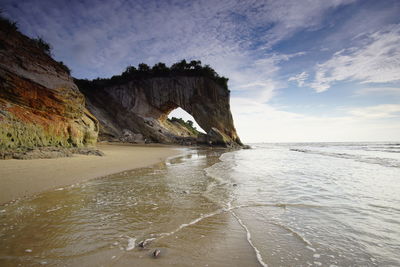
(103, 37)
(383, 91)
(288, 17)
(256, 122)
(377, 111)
(375, 62)
(300, 78)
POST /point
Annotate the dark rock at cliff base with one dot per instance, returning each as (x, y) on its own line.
(130, 137)
(214, 137)
(47, 152)
(40, 105)
(142, 106)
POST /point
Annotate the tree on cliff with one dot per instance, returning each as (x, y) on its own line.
(195, 64)
(160, 69)
(142, 67)
(187, 124)
(42, 44)
(130, 70)
(181, 68)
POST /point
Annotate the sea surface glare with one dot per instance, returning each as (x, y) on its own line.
(316, 204)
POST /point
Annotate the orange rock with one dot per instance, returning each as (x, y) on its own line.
(40, 105)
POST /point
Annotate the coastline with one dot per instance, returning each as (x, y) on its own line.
(23, 178)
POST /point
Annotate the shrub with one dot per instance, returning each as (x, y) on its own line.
(160, 69)
(142, 67)
(6, 24)
(187, 124)
(43, 45)
(182, 68)
(65, 67)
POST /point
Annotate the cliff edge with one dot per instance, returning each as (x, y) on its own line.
(40, 105)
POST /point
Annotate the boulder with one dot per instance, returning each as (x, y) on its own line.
(130, 137)
(216, 137)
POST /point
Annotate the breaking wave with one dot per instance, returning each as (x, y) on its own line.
(387, 162)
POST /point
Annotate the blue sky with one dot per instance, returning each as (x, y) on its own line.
(299, 70)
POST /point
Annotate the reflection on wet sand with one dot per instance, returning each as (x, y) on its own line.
(175, 205)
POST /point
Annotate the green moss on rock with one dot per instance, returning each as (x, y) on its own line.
(16, 134)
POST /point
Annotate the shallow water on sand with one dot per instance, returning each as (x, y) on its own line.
(326, 204)
(100, 222)
(275, 205)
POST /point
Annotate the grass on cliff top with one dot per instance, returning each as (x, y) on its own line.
(11, 27)
(143, 71)
(187, 124)
(46, 48)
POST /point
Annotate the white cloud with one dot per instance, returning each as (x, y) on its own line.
(378, 61)
(104, 37)
(256, 122)
(386, 91)
(377, 111)
(254, 78)
(300, 78)
(290, 16)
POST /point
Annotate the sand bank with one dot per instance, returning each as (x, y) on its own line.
(20, 178)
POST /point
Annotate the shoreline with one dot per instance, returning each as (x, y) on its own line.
(24, 178)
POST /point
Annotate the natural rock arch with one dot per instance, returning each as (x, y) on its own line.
(142, 106)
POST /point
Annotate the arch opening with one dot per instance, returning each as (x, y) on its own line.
(179, 113)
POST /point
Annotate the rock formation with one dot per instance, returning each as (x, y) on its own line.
(142, 106)
(40, 105)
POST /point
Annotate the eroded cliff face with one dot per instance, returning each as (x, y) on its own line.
(142, 106)
(40, 105)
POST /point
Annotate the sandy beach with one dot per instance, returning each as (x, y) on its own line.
(21, 178)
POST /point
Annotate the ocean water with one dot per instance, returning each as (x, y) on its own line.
(316, 204)
(327, 204)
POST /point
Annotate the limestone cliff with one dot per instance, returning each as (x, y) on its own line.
(141, 107)
(40, 105)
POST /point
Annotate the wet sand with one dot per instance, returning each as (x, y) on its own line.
(174, 205)
(21, 178)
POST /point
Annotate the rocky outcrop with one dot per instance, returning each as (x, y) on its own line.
(40, 105)
(142, 106)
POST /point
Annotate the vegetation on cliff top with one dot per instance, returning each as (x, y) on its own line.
(11, 27)
(6, 24)
(143, 71)
(187, 124)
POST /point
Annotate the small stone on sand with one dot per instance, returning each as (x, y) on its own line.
(156, 253)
